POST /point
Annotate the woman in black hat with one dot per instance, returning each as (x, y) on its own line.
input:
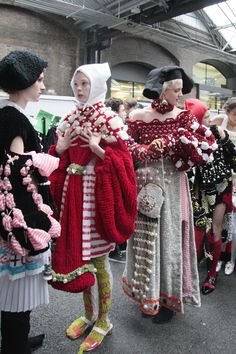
(161, 270)
(26, 223)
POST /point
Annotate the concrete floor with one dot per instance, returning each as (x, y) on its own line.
(208, 330)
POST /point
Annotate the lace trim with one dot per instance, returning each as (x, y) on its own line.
(65, 278)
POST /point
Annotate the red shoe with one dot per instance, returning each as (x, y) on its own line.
(209, 285)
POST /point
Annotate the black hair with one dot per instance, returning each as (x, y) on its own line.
(114, 103)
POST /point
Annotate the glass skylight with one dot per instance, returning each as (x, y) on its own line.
(223, 15)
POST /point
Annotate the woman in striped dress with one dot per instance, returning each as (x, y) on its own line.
(94, 188)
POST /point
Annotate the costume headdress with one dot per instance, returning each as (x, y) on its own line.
(157, 77)
(97, 74)
(20, 70)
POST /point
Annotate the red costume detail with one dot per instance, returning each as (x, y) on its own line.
(182, 137)
(115, 194)
(162, 106)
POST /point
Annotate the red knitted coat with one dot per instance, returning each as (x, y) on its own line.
(116, 207)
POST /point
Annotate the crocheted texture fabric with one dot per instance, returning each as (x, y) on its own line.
(162, 106)
(116, 195)
(26, 222)
(115, 192)
(186, 142)
(98, 118)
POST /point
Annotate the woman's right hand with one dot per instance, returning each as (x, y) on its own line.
(66, 141)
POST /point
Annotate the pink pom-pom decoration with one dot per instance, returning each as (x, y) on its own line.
(38, 238)
(46, 209)
(27, 180)
(7, 184)
(2, 202)
(37, 198)
(7, 170)
(18, 218)
(7, 222)
(55, 228)
(17, 247)
(29, 162)
(10, 203)
(24, 171)
(7, 246)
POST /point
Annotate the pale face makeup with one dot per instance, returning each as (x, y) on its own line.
(81, 87)
(34, 92)
(173, 92)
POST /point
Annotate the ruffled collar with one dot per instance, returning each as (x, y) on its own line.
(98, 118)
(162, 106)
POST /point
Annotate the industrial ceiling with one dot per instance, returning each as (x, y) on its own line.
(139, 18)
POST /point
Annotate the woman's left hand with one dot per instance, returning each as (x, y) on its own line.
(92, 140)
(221, 132)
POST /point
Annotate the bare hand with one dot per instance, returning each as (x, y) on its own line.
(92, 139)
(66, 141)
(221, 132)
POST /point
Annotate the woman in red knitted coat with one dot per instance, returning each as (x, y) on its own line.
(95, 191)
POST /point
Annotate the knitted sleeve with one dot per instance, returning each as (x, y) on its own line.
(116, 196)
(57, 177)
(138, 150)
(45, 163)
(192, 144)
(13, 123)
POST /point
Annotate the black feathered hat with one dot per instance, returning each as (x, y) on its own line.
(19, 70)
(157, 77)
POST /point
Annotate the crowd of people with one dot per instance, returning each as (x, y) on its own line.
(153, 187)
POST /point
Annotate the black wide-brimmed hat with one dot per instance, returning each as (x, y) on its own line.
(19, 70)
(157, 77)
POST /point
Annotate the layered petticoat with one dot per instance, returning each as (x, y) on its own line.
(161, 264)
(22, 283)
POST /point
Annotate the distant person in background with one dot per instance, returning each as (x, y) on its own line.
(130, 104)
(227, 121)
(213, 185)
(116, 105)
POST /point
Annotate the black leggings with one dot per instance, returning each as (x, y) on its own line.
(15, 327)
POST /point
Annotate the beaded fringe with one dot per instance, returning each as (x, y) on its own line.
(144, 244)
